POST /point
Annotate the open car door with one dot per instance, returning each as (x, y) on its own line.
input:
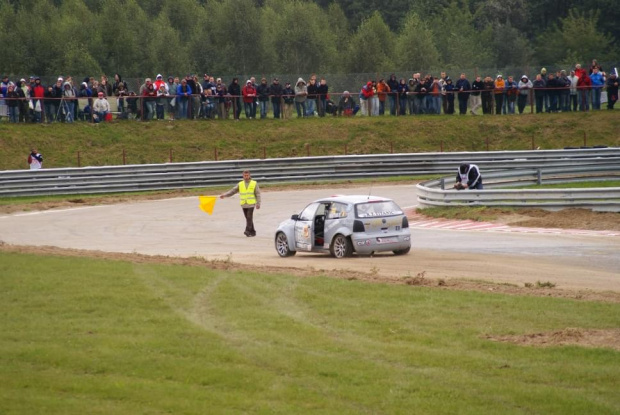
(304, 227)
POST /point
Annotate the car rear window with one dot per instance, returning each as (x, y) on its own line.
(377, 209)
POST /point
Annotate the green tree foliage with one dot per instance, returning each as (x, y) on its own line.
(234, 41)
(139, 38)
(415, 46)
(461, 45)
(299, 39)
(372, 47)
(575, 38)
(509, 46)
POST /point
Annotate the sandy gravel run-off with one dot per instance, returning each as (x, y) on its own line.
(177, 228)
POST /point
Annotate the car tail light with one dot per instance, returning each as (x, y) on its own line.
(405, 222)
(358, 226)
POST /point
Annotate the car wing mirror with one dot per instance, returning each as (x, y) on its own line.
(295, 216)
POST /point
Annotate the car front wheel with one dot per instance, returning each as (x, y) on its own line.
(282, 245)
(341, 247)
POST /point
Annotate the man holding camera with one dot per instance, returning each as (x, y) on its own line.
(468, 177)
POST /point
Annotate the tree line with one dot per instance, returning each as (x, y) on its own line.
(138, 37)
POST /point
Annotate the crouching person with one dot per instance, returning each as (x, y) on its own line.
(468, 177)
(101, 108)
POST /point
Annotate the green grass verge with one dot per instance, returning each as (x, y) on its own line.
(186, 141)
(99, 337)
(573, 185)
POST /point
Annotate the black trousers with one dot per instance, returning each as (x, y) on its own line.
(249, 220)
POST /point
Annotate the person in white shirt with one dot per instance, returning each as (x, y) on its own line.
(35, 160)
(101, 108)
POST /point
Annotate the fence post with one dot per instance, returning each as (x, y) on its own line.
(539, 178)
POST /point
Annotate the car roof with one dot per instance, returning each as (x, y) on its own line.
(353, 199)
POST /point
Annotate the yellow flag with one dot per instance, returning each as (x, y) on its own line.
(207, 203)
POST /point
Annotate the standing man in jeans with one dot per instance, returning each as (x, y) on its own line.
(249, 197)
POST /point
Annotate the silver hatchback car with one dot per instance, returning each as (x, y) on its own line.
(342, 225)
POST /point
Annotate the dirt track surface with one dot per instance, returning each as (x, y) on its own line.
(175, 229)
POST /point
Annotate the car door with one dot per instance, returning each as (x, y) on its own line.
(304, 227)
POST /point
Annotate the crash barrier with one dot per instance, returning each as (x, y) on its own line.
(440, 192)
(134, 178)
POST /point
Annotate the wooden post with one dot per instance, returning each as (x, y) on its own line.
(533, 142)
(215, 153)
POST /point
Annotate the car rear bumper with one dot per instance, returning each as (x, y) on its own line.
(366, 244)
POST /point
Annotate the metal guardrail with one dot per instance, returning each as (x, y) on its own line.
(132, 178)
(434, 193)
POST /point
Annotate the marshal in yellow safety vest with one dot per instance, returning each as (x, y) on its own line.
(246, 193)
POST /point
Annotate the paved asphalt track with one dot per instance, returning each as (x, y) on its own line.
(177, 227)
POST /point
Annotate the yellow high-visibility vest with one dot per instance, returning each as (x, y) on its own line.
(246, 194)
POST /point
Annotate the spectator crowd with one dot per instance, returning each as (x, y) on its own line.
(172, 98)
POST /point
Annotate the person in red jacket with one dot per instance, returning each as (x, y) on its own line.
(249, 95)
(584, 85)
(366, 93)
(38, 91)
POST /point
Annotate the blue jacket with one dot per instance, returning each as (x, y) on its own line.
(597, 80)
(465, 85)
(181, 92)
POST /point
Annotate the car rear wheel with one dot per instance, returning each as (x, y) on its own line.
(341, 247)
(402, 251)
(282, 245)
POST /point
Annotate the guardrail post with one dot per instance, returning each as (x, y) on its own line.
(124, 157)
(443, 183)
(78, 159)
(539, 177)
(487, 143)
(532, 141)
(215, 153)
(170, 156)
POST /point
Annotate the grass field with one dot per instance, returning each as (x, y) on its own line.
(184, 141)
(85, 336)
